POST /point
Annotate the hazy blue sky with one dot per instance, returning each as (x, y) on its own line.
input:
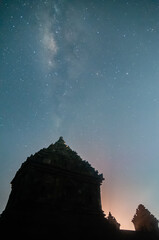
(86, 70)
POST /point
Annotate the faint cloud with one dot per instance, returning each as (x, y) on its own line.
(50, 46)
(46, 21)
(75, 35)
(57, 121)
(49, 42)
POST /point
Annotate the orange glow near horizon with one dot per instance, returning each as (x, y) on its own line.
(123, 211)
(122, 215)
(121, 193)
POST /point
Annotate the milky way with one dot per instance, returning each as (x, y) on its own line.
(88, 71)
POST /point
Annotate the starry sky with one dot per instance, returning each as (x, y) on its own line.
(86, 70)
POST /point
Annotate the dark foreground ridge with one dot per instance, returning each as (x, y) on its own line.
(56, 195)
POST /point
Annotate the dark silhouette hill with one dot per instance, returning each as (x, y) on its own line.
(56, 195)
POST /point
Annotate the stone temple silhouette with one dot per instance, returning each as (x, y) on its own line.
(57, 178)
(113, 221)
(143, 220)
(56, 195)
(55, 189)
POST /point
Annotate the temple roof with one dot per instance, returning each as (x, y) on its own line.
(60, 155)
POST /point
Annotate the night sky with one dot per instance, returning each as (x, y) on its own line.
(87, 70)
